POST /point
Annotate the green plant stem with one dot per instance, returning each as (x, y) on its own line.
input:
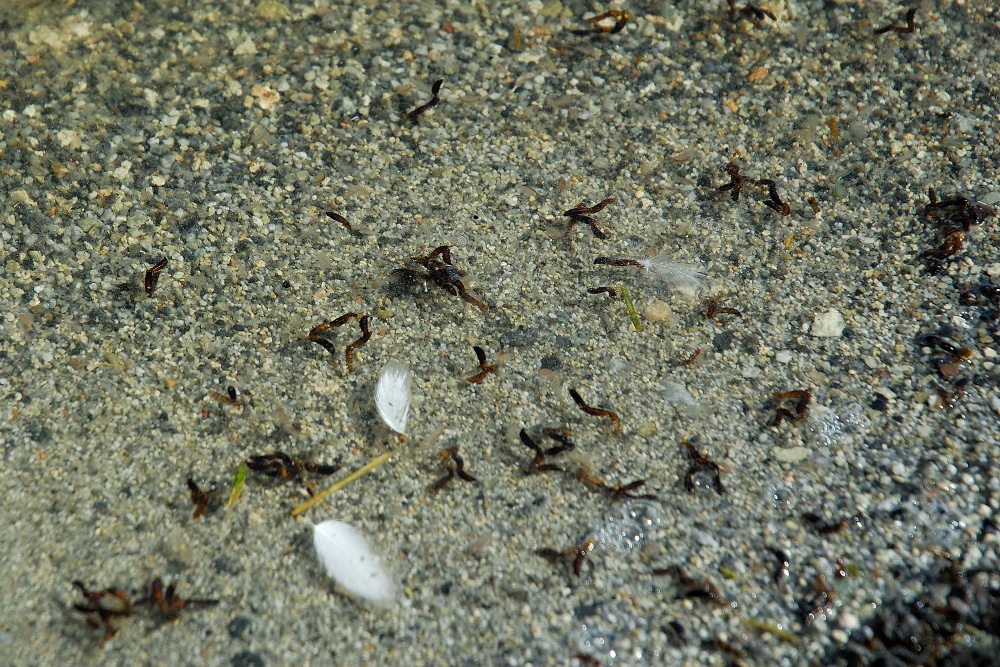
(631, 308)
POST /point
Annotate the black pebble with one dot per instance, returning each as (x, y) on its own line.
(247, 659)
(880, 404)
(239, 627)
(551, 363)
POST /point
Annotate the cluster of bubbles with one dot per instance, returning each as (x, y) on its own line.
(626, 529)
(608, 631)
(829, 427)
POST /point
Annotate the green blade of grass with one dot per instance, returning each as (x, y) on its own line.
(770, 628)
(237, 490)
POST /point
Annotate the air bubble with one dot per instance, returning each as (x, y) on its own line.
(781, 498)
(626, 529)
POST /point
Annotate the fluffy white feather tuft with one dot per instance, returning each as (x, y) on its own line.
(349, 561)
(677, 275)
(392, 395)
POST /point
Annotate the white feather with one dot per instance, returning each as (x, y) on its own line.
(348, 560)
(677, 275)
(392, 395)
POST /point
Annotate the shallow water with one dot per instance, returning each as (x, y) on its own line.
(218, 134)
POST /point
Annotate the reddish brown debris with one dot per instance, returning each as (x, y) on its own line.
(455, 467)
(693, 588)
(103, 608)
(802, 398)
(751, 11)
(620, 16)
(715, 309)
(701, 464)
(578, 553)
(485, 368)
(199, 498)
(170, 604)
(283, 466)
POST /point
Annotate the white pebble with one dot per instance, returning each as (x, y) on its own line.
(848, 622)
(828, 325)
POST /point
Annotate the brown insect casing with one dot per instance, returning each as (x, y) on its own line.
(587, 477)
(802, 398)
(908, 28)
(587, 220)
(610, 291)
(735, 185)
(339, 218)
(454, 463)
(581, 555)
(774, 201)
(608, 261)
(581, 214)
(596, 412)
(366, 335)
(276, 464)
(321, 468)
(340, 321)
(538, 462)
(199, 498)
(561, 435)
(314, 335)
(532, 445)
(442, 251)
(624, 491)
(227, 399)
(515, 39)
(414, 115)
(822, 527)
(152, 276)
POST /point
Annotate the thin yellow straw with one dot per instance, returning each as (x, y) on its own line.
(357, 474)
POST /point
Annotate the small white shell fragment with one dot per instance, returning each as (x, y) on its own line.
(675, 392)
(790, 454)
(828, 325)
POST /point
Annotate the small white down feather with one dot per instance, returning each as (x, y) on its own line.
(682, 277)
(349, 560)
(392, 395)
